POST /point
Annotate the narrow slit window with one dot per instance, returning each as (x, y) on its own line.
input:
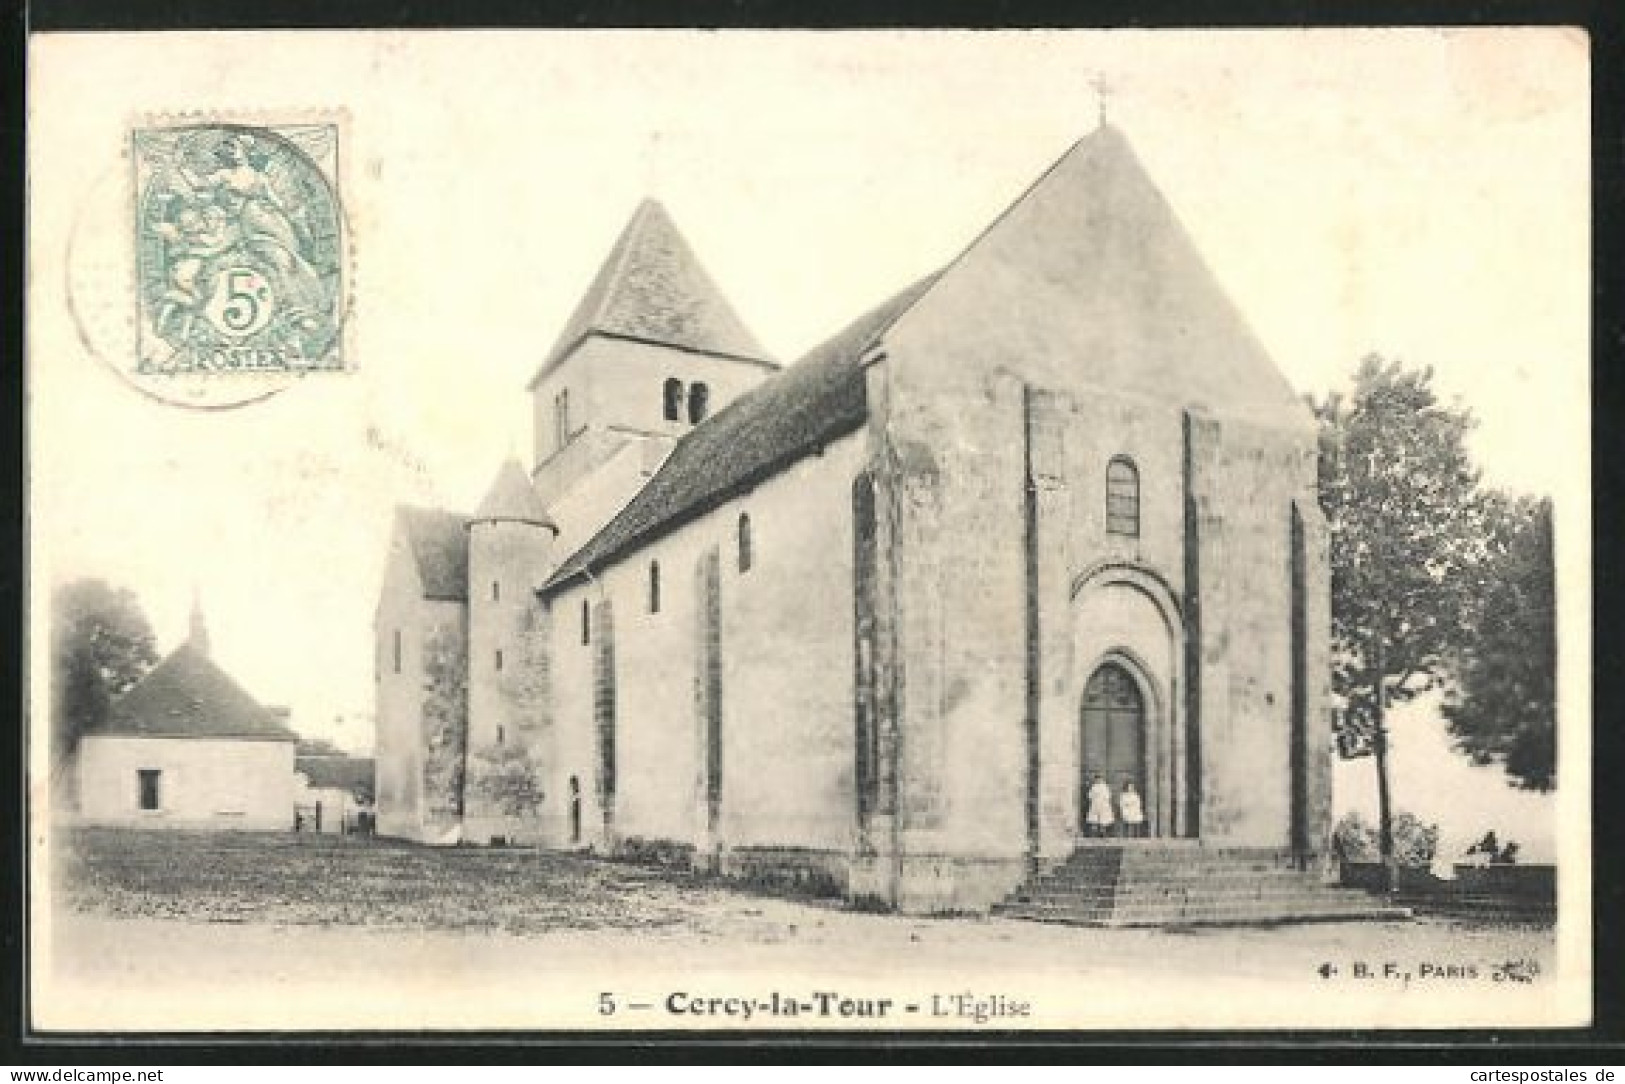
(654, 587)
(699, 401)
(502, 735)
(672, 397)
(499, 658)
(586, 623)
(746, 555)
(561, 417)
(496, 591)
(397, 651)
(1123, 497)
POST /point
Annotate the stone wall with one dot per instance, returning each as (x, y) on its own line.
(204, 783)
(406, 619)
(783, 685)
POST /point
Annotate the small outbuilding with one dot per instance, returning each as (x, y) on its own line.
(186, 747)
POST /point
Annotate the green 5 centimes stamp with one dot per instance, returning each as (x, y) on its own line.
(239, 250)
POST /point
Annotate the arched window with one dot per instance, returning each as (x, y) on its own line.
(745, 554)
(699, 398)
(654, 587)
(1123, 497)
(586, 623)
(673, 399)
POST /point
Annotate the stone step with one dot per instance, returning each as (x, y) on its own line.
(1136, 895)
(1248, 882)
(1181, 868)
(1305, 910)
(1125, 906)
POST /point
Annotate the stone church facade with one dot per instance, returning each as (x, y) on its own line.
(876, 619)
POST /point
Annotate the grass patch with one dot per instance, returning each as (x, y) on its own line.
(304, 879)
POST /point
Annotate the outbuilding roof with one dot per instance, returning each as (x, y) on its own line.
(354, 774)
(188, 696)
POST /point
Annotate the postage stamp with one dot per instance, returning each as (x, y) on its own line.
(238, 249)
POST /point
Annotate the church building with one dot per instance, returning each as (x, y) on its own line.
(1035, 532)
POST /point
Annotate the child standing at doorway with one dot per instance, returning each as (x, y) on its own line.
(1133, 810)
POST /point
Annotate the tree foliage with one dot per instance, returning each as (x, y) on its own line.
(1402, 502)
(101, 645)
(507, 778)
(1406, 518)
(1503, 707)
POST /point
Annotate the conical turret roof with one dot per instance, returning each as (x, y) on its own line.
(652, 288)
(513, 499)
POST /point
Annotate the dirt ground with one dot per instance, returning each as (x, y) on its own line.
(183, 931)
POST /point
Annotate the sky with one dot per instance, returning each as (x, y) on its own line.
(1418, 193)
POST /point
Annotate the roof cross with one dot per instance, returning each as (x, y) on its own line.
(1103, 92)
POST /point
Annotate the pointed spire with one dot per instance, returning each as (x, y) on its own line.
(198, 634)
(652, 288)
(512, 499)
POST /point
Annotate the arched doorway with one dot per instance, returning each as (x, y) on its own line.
(1114, 738)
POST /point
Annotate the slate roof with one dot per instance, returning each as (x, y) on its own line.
(1092, 250)
(188, 696)
(651, 288)
(796, 411)
(354, 774)
(512, 498)
(439, 541)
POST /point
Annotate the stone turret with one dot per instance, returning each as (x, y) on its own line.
(510, 543)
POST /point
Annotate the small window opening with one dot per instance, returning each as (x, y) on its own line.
(499, 658)
(561, 417)
(150, 795)
(673, 399)
(397, 651)
(654, 587)
(746, 556)
(496, 591)
(502, 734)
(586, 623)
(699, 400)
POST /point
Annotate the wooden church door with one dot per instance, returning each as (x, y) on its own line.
(1113, 733)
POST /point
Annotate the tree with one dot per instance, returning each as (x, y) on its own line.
(1503, 708)
(445, 721)
(1405, 513)
(101, 645)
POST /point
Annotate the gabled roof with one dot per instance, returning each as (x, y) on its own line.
(188, 696)
(337, 773)
(1090, 274)
(800, 409)
(652, 289)
(513, 499)
(439, 542)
